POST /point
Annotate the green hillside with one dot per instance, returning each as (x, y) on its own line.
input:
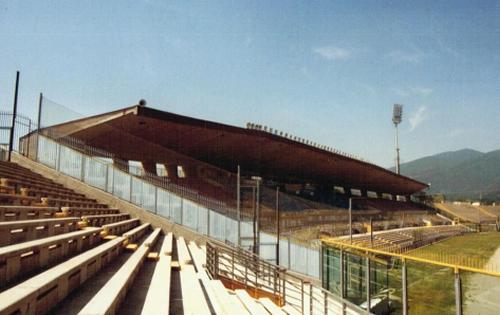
(459, 174)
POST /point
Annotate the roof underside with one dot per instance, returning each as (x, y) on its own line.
(145, 134)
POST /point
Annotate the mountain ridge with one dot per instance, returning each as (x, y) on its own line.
(461, 174)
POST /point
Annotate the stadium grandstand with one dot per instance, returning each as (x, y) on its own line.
(141, 211)
(202, 158)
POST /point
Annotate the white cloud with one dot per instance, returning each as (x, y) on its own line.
(424, 91)
(332, 52)
(418, 117)
(400, 56)
(413, 91)
(368, 88)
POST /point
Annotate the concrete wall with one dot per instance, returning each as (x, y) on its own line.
(112, 201)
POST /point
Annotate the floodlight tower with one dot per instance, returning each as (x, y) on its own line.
(397, 117)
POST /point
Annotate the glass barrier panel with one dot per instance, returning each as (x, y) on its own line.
(480, 294)
(355, 283)
(176, 208)
(202, 220)
(70, 162)
(379, 286)
(95, 173)
(284, 253)
(190, 214)
(246, 233)
(394, 284)
(313, 256)
(109, 181)
(331, 270)
(163, 203)
(431, 289)
(217, 225)
(231, 231)
(121, 184)
(48, 152)
(267, 248)
(148, 196)
(298, 258)
(136, 191)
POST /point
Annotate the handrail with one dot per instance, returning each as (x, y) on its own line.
(248, 269)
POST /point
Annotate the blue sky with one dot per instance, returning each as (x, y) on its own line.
(328, 71)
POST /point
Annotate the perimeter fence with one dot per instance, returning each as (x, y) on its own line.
(165, 199)
(413, 282)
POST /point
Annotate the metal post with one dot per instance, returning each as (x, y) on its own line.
(458, 293)
(27, 153)
(254, 222)
(350, 220)
(82, 170)
(301, 296)
(258, 217)
(106, 181)
(367, 274)
(156, 194)
(397, 149)
(14, 116)
(208, 221)
(58, 164)
(311, 300)
(325, 303)
(289, 254)
(238, 210)
(39, 121)
(405, 286)
(277, 227)
(371, 232)
(341, 276)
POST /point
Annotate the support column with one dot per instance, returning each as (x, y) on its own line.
(341, 276)
(120, 164)
(458, 293)
(149, 166)
(171, 170)
(405, 286)
(367, 278)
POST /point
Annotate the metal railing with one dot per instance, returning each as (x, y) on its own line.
(263, 279)
(454, 283)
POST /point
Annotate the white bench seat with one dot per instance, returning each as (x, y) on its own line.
(158, 296)
(252, 306)
(109, 297)
(40, 293)
(229, 302)
(134, 234)
(271, 307)
(17, 213)
(24, 258)
(13, 232)
(120, 227)
(102, 219)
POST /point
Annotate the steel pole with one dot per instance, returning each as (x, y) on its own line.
(458, 293)
(238, 210)
(404, 285)
(254, 222)
(277, 226)
(350, 220)
(397, 148)
(258, 217)
(39, 121)
(367, 274)
(14, 114)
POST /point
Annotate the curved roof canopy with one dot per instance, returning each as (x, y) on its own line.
(146, 134)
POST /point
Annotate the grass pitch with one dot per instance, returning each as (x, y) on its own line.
(431, 288)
